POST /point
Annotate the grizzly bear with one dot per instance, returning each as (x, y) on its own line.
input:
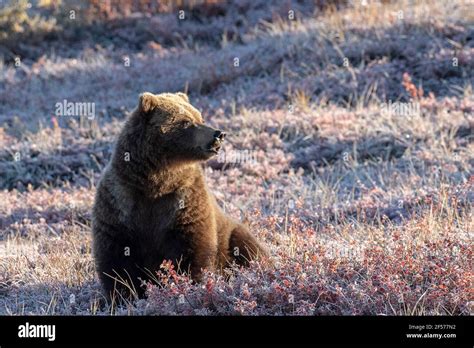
(152, 203)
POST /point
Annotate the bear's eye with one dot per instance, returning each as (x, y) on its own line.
(186, 124)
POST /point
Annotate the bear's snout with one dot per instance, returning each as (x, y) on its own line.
(219, 135)
(217, 142)
(208, 139)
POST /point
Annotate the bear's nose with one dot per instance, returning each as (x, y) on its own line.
(219, 135)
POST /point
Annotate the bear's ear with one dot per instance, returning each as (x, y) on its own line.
(183, 96)
(147, 102)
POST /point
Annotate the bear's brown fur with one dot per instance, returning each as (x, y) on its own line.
(152, 202)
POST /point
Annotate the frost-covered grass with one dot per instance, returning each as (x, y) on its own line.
(365, 209)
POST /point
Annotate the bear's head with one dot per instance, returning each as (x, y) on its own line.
(174, 130)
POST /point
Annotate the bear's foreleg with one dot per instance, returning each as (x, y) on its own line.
(203, 247)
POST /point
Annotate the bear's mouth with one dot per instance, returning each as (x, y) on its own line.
(215, 146)
(214, 150)
(209, 151)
